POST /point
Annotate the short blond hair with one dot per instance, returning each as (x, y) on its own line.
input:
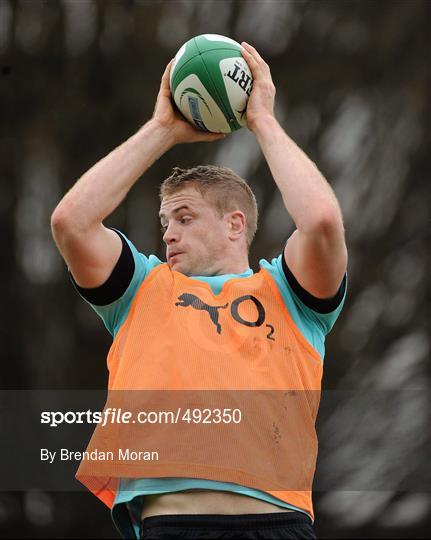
(221, 187)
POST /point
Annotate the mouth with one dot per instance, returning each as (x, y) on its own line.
(174, 254)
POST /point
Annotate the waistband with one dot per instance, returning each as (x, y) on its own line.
(224, 521)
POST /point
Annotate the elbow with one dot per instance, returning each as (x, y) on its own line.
(330, 224)
(59, 224)
(60, 219)
(328, 230)
(63, 223)
(57, 219)
(69, 223)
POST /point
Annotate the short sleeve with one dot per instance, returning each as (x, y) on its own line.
(112, 300)
(313, 316)
(326, 310)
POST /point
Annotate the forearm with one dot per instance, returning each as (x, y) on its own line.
(307, 196)
(102, 188)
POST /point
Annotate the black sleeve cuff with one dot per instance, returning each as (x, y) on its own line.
(116, 285)
(320, 305)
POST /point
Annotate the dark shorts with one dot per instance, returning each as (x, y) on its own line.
(291, 525)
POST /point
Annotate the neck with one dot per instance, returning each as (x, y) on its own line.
(232, 266)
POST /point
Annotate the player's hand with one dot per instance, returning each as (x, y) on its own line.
(168, 117)
(261, 101)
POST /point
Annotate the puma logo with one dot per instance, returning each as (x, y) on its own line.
(188, 299)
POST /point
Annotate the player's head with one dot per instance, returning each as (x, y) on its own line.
(207, 213)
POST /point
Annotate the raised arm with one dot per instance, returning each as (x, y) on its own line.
(90, 249)
(316, 252)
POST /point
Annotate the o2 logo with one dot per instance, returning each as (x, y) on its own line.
(193, 301)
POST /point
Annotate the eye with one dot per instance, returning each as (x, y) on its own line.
(185, 220)
(163, 228)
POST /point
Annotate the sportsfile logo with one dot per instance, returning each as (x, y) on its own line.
(240, 77)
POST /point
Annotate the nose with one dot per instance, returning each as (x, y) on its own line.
(170, 236)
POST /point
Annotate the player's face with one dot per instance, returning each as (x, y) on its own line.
(195, 235)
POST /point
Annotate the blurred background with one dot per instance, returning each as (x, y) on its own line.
(78, 77)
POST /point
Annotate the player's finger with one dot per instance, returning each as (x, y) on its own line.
(255, 55)
(166, 73)
(248, 54)
(252, 51)
(251, 62)
(167, 70)
(165, 89)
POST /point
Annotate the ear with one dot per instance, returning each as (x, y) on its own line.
(236, 225)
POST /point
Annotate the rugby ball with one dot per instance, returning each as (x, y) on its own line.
(210, 83)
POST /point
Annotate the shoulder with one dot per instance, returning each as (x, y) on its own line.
(112, 299)
(301, 304)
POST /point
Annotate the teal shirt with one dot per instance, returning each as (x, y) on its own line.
(313, 325)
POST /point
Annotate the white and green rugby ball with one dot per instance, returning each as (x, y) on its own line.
(210, 82)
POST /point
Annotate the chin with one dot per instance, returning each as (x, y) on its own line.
(178, 267)
(183, 270)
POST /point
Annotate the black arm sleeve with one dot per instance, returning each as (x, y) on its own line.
(320, 305)
(116, 285)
